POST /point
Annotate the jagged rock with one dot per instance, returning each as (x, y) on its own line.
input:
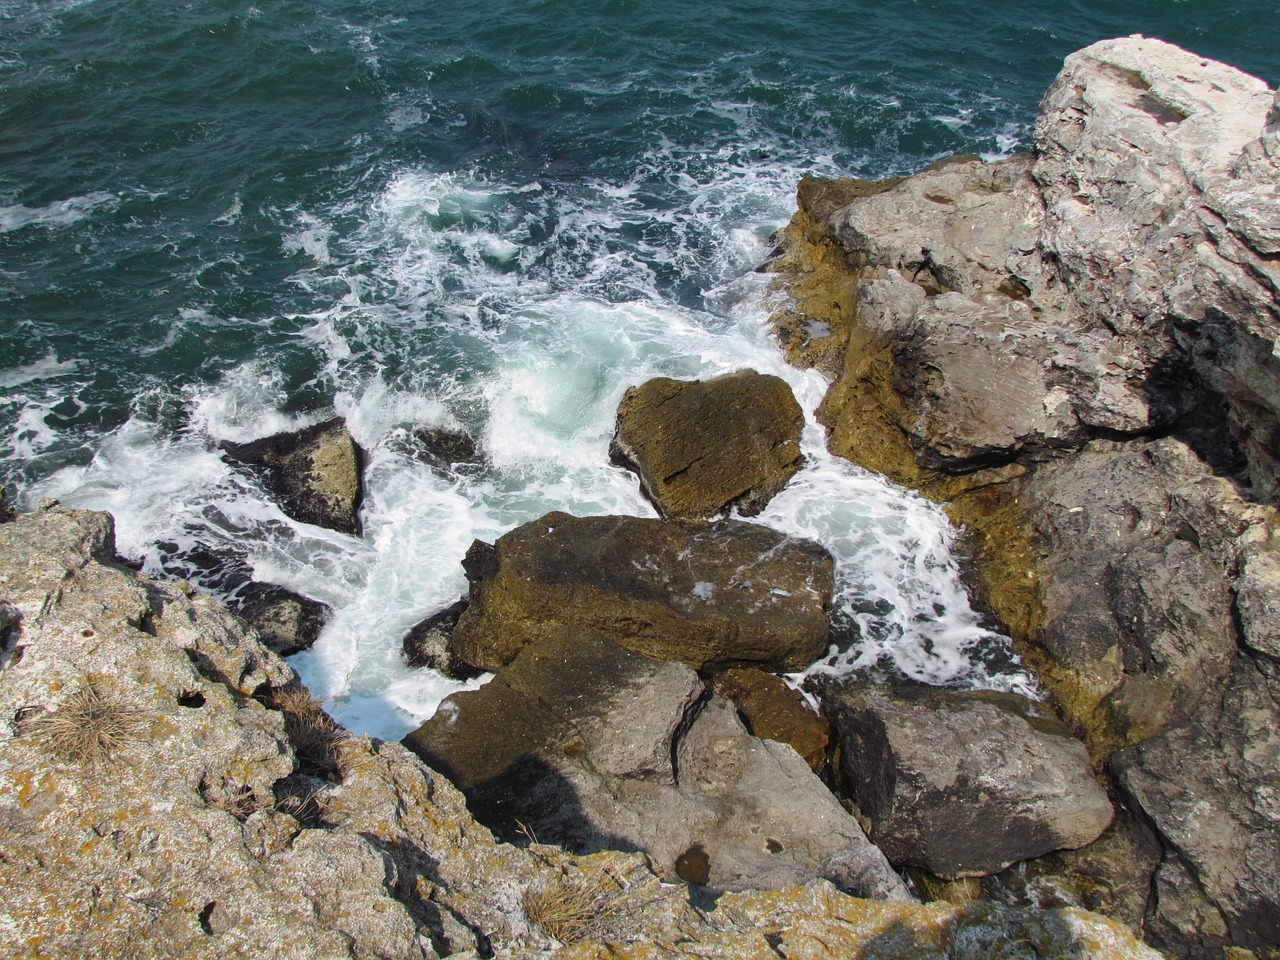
(286, 622)
(772, 710)
(1211, 787)
(314, 473)
(587, 744)
(963, 784)
(1019, 336)
(427, 643)
(708, 594)
(701, 447)
(1137, 607)
(199, 834)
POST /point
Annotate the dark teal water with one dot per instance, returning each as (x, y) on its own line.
(220, 219)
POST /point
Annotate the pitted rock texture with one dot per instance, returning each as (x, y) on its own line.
(315, 473)
(964, 784)
(703, 446)
(707, 594)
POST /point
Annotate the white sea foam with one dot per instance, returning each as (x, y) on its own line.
(520, 313)
(60, 213)
(49, 366)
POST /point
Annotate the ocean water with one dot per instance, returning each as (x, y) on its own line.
(219, 220)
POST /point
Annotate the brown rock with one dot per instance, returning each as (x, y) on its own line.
(286, 622)
(708, 594)
(774, 711)
(314, 473)
(703, 446)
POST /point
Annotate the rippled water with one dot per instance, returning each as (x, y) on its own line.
(220, 220)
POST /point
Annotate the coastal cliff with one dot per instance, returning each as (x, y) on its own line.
(1075, 350)
(168, 787)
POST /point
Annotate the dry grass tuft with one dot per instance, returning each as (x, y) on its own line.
(572, 908)
(316, 737)
(89, 727)
(231, 797)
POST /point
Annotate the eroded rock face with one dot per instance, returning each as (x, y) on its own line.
(707, 594)
(315, 473)
(594, 746)
(1211, 786)
(964, 784)
(703, 446)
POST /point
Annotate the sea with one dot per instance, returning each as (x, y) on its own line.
(222, 220)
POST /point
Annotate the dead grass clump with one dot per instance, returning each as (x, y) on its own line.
(582, 906)
(89, 727)
(237, 799)
(316, 737)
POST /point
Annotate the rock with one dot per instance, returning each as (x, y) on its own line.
(1211, 788)
(708, 594)
(7, 510)
(702, 447)
(427, 644)
(286, 622)
(1076, 349)
(314, 473)
(1137, 619)
(772, 710)
(584, 743)
(198, 833)
(963, 784)
(447, 446)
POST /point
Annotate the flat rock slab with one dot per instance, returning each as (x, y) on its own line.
(314, 473)
(964, 784)
(584, 743)
(707, 594)
(703, 446)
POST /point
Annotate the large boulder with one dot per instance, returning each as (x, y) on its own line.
(708, 594)
(314, 473)
(1211, 787)
(584, 743)
(703, 446)
(963, 784)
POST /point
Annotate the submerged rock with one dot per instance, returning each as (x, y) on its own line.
(286, 622)
(315, 473)
(584, 743)
(427, 643)
(963, 784)
(701, 447)
(707, 594)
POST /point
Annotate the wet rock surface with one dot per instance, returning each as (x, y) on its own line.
(703, 446)
(707, 594)
(963, 784)
(590, 745)
(1075, 349)
(314, 473)
(286, 622)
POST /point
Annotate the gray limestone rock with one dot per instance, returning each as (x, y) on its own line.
(701, 447)
(585, 743)
(963, 784)
(708, 594)
(1211, 787)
